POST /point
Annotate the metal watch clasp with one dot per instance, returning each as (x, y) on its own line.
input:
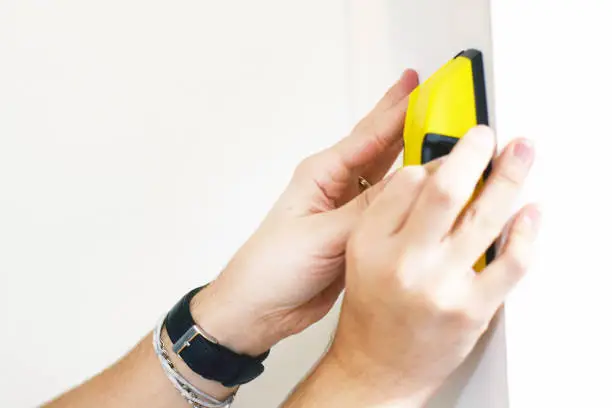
(185, 340)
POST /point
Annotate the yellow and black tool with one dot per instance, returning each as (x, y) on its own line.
(442, 109)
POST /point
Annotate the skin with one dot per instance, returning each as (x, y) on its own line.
(330, 233)
(414, 307)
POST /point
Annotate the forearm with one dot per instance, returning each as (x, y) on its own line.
(333, 385)
(138, 380)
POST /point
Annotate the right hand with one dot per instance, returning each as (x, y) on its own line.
(414, 308)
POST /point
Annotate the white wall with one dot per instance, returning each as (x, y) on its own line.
(141, 142)
(553, 83)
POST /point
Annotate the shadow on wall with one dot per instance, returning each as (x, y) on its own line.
(288, 363)
(453, 392)
(428, 33)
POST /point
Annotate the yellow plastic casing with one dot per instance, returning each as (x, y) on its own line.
(449, 103)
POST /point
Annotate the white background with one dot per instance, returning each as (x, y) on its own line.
(553, 83)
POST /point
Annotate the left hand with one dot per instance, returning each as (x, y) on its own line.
(290, 272)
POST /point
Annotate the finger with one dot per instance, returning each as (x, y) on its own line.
(372, 173)
(331, 293)
(407, 82)
(387, 214)
(375, 134)
(372, 146)
(335, 226)
(484, 219)
(447, 192)
(434, 165)
(338, 224)
(321, 304)
(380, 167)
(499, 278)
(362, 202)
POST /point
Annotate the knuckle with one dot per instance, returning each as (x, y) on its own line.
(508, 178)
(481, 139)
(455, 310)
(410, 176)
(483, 219)
(413, 173)
(374, 131)
(464, 317)
(444, 192)
(516, 261)
(459, 315)
(379, 142)
(307, 166)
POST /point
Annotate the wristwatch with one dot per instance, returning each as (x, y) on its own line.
(203, 354)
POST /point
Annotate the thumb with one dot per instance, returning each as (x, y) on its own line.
(337, 225)
(359, 204)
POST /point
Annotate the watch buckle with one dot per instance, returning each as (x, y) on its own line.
(185, 340)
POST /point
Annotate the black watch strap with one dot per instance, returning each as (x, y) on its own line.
(202, 354)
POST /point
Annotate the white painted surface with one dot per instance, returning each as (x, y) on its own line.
(554, 84)
(141, 142)
(389, 36)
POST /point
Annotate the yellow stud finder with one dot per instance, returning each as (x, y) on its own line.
(442, 109)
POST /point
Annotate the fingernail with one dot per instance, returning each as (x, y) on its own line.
(409, 73)
(532, 218)
(523, 150)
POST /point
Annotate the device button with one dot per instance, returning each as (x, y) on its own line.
(435, 146)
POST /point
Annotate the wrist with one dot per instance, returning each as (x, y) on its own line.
(212, 388)
(231, 321)
(332, 384)
(380, 387)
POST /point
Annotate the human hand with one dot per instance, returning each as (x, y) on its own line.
(290, 272)
(414, 308)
